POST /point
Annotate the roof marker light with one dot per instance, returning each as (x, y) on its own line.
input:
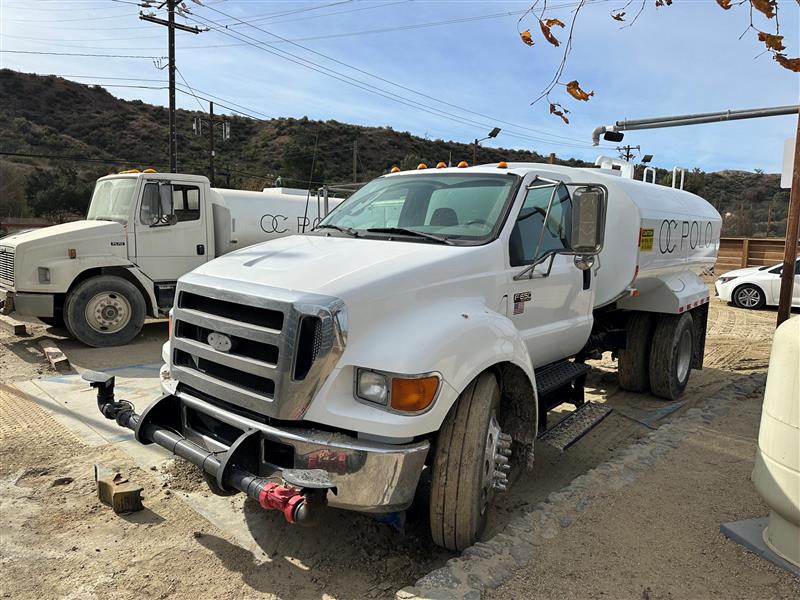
(502, 165)
(463, 164)
(149, 171)
(395, 169)
(441, 165)
(422, 166)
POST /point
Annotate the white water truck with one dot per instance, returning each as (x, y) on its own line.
(427, 325)
(100, 277)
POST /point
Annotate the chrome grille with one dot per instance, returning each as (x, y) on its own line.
(271, 350)
(7, 265)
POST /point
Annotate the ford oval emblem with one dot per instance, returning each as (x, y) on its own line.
(220, 341)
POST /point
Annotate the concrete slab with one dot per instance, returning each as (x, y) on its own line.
(750, 534)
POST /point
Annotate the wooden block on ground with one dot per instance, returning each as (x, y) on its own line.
(10, 324)
(54, 354)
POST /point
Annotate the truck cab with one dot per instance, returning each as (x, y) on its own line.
(429, 322)
(102, 276)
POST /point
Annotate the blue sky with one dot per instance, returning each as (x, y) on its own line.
(686, 58)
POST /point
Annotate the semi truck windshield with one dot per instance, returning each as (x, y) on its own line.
(112, 199)
(458, 207)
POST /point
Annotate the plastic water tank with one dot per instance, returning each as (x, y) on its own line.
(776, 474)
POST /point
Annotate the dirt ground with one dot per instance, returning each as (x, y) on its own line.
(659, 538)
(58, 541)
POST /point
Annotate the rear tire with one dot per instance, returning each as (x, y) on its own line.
(104, 311)
(671, 354)
(633, 364)
(749, 296)
(459, 496)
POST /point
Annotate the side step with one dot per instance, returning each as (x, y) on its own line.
(561, 382)
(574, 426)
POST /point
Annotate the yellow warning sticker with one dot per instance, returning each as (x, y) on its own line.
(646, 240)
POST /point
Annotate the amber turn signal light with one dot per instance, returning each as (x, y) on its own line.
(413, 395)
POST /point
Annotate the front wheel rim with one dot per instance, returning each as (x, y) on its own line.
(108, 312)
(749, 297)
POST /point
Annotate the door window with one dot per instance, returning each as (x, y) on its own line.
(186, 202)
(530, 226)
(149, 212)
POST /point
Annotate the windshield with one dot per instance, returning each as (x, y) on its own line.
(455, 206)
(112, 199)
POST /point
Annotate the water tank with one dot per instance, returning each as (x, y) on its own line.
(776, 474)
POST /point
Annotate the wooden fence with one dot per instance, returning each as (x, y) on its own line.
(735, 253)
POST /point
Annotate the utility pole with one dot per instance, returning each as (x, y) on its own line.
(626, 152)
(790, 244)
(171, 26)
(226, 134)
(355, 161)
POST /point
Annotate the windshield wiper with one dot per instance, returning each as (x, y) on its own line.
(347, 230)
(414, 232)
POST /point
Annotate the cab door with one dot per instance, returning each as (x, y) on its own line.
(552, 309)
(170, 228)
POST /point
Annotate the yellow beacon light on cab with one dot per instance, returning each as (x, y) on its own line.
(422, 166)
(463, 164)
(441, 165)
(502, 165)
(395, 169)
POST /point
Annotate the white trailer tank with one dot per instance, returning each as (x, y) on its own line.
(244, 218)
(655, 236)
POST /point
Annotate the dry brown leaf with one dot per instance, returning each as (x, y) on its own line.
(793, 64)
(548, 35)
(772, 41)
(526, 37)
(559, 111)
(726, 4)
(765, 6)
(620, 16)
(553, 23)
(574, 90)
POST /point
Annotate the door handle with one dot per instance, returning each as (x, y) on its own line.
(201, 249)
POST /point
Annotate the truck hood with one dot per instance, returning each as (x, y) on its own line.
(65, 232)
(344, 267)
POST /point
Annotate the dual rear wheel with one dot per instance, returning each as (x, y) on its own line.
(659, 353)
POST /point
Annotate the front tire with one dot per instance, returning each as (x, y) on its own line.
(104, 311)
(462, 480)
(671, 354)
(749, 296)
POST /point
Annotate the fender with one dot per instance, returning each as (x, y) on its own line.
(673, 294)
(456, 340)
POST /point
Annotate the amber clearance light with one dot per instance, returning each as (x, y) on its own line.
(413, 395)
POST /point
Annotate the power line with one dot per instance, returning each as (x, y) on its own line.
(82, 54)
(356, 82)
(403, 87)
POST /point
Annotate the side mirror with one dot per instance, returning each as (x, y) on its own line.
(166, 209)
(588, 220)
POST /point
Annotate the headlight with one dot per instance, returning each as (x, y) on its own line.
(726, 279)
(401, 393)
(372, 386)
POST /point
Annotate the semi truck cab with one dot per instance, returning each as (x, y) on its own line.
(428, 323)
(102, 276)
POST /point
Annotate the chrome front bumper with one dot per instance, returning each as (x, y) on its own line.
(369, 476)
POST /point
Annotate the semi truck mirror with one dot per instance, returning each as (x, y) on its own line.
(588, 220)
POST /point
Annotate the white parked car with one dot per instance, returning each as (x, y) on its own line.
(754, 287)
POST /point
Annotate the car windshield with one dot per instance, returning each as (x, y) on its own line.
(112, 199)
(458, 207)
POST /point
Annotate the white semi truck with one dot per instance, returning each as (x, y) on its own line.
(428, 323)
(102, 276)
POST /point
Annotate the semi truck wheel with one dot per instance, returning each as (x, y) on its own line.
(748, 296)
(633, 364)
(671, 355)
(104, 311)
(463, 475)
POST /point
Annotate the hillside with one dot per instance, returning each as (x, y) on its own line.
(46, 115)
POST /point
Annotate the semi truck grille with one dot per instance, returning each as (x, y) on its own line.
(263, 349)
(7, 265)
